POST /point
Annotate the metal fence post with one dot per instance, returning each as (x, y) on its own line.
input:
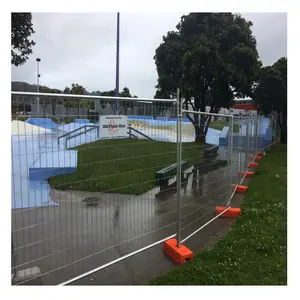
(275, 127)
(261, 133)
(255, 137)
(240, 144)
(230, 147)
(179, 129)
(247, 145)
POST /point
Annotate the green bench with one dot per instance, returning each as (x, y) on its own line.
(162, 176)
(212, 150)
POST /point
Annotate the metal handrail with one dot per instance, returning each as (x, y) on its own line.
(137, 131)
(80, 133)
(92, 127)
(70, 132)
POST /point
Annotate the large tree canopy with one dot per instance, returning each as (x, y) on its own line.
(271, 93)
(210, 57)
(21, 30)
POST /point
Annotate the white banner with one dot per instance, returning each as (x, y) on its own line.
(113, 127)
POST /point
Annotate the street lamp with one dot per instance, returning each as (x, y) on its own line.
(117, 62)
(38, 60)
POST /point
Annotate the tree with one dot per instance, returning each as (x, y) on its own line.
(210, 57)
(123, 105)
(21, 30)
(49, 100)
(162, 107)
(75, 89)
(271, 93)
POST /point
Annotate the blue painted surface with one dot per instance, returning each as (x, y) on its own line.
(82, 121)
(140, 117)
(160, 121)
(25, 151)
(53, 163)
(42, 174)
(269, 134)
(37, 157)
(263, 133)
(42, 122)
(72, 126)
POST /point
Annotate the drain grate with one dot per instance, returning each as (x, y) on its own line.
(90, 200)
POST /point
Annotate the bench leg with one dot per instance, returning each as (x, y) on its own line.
(163, 185)
(182, 177)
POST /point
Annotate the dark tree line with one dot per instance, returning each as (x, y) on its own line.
(74, 89)
(271, 93)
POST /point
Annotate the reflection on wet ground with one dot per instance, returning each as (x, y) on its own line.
(72, 238)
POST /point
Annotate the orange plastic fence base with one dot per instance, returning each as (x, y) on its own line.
(179, 255)
(248, 174)
(230, 213)
(261, 154)
(242, 189)
(253, 165)
(258, 158)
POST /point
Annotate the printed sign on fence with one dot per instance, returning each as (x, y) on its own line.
(113, 127)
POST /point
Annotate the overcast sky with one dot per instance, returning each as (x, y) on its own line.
(81, 48)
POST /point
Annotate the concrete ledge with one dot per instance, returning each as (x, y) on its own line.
(42, 174)
(54, 163)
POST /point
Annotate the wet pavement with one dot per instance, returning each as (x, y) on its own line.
(67, 240)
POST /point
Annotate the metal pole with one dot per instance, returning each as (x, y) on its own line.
(117, 62)
(275, 127)
(261, 133)
(256, 136)
(247, 145)
(251, 138)
(38, 84)
(178, 127)
(240, 150)
(230, 149)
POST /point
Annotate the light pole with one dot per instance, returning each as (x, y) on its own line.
(117, 62)
(38, 60)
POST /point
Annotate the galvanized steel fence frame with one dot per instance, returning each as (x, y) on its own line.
(241, 149)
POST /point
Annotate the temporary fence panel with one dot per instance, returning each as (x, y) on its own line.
(92, 186)
(207, 182)
(87, 194)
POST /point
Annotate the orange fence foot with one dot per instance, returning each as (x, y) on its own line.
(240, 188)
(258, 158)
(252, 165)
(179, 255)
(230, 213)
(261, 154)
(248, 174)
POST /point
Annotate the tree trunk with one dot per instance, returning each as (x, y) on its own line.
(199, 128)
(283, 128)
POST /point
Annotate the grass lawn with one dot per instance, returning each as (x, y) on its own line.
(123, 166)
(220, 124)
(254, 252)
